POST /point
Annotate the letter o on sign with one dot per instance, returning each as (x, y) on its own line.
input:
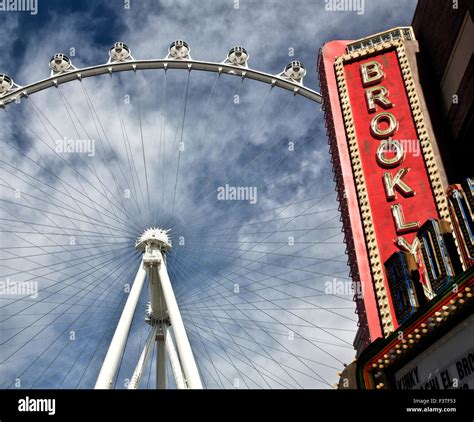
(389, 145)
(387, 118)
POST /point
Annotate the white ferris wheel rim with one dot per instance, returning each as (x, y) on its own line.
(280, 80)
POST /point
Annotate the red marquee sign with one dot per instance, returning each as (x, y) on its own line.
(387, 153)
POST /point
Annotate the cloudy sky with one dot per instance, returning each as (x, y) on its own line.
(256, 278)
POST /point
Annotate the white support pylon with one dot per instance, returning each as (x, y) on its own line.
(193, 380)
(108, 372)
(142, 362)
(162, 333)
(175, 365)
(163, 306)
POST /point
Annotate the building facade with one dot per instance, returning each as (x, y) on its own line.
(398, 109)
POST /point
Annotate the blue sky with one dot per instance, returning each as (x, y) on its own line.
(281, 329)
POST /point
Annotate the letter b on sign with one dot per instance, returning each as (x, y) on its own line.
(371, 73)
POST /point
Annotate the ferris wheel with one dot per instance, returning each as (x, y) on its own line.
(162, 173)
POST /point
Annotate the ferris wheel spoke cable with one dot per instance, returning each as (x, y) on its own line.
(163, 141)
(254, 283)
(45, 266)
(228, 138)
(294, 315)
(77, 300)
(99, 149)
(218, 246)
(80, 353)
(328, 309)
(46, 194)
(221, 235)
(89, 336)
(83, 289)
(229, 359)
(127, 148)
(139, 114)
(186, 95)
(277, 219)
(280, 212)
(242, 323)
(246, 167)
(264, 322)
(49, 238)
(249, 361)
(68, 107)
(198, 222)
(209, 228)
(267, 198)
(267, 237)
(81, 233)
(67, 343)
(32, 345)
(222, 115)
(78, 261)
(208, 356)
(174, 143)
(42, 119)
(268, 277)
(248, 325)
(53, 375)
(223, 144)
(66, 193)
(200, 127)
(129, 153)
(315, 325)
(42, 168)
(218, 371)
(191, 298)
(257, 341)
(141, 81)
(96, 303)
(98, 346)
(230, 338)
(233, 336)
(59, 208)
(245, 356)
(96, 117)
(286, 283)
(79, 381)
(232, 341)
(84, 246)
(270, 301)
(316, 259)
(238, 357)
(144, 158)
